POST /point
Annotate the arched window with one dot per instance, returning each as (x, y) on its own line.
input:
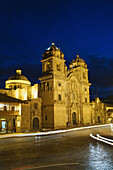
(58, 66)
(14, 87)
(85, 100)
(48, 66)
(59, 97)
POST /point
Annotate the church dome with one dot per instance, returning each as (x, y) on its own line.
(18, 76)
(17, 81)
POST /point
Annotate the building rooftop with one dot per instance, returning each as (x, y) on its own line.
(8, 99)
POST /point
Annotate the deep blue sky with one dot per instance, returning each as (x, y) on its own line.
(27, 28)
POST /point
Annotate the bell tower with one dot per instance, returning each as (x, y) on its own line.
(53, 88)
(53, 61)
(79, 67)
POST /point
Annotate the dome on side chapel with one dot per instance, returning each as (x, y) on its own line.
(17, 81)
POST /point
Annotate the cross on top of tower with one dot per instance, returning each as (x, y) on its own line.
(77, 56)
(52, 43)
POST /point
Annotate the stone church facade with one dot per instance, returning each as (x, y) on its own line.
(64, 92)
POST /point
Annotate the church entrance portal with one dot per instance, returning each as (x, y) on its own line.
(74, 118)
(35, 123)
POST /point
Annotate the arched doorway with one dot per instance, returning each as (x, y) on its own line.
(35, 123)
(74, 118)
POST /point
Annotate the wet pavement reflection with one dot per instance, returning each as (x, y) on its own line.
(73, 150)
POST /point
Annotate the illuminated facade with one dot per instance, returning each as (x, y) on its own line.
(62, 100)
(19, 87)
(64, 93)
(10, 114)
(98, 112)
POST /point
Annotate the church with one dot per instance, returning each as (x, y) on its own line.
(64, 92)
(60, 101)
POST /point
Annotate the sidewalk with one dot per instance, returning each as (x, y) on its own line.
(15, 135)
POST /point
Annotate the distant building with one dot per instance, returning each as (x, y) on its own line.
(98, 112)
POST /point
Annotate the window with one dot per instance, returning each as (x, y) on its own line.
(45, 117)
(85, 89)
(14, 87)
(59, 84)
(48, 66)
(59, 97)
(5, 107)
(35, 105)
(85, 100)
(58, 66)
(13, 108)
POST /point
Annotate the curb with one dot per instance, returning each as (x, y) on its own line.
(50, 132)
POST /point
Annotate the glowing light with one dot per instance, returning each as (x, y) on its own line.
(18, 71)
(18, 81)
(51, 132)
(101, 140)
(110, 140)
(52, 43)
(48, 48)
(18, 124)
(1, 105)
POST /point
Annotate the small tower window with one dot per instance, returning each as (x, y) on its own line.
(85, 89)
(59, 97)
(85, 100)
(48, 66)
(58, 66)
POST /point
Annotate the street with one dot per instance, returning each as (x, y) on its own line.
(72, 150)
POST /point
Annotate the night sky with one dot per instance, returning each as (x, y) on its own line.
(28, 27)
